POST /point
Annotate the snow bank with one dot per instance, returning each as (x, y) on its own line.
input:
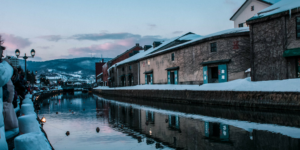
(28, 124)
(31, 141)
(28, 96)
(3, 144)
(289, 85)
(283, 5)
(11, 133)
(27, 101)
(27, 109)
(6, 73)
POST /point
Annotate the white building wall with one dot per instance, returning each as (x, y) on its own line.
(246, 13)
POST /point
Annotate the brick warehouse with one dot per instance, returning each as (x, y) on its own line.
(112, 75)
(275, 45)
(219, 57)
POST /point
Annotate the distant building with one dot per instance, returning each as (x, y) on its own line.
(109, 79)
(14, 61)
(98, 68)
(248, 10)
(275, 42)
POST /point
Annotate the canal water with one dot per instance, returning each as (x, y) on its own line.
(140, 125)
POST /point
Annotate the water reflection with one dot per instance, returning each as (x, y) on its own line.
(135, 126)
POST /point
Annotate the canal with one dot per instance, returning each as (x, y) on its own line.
(137, 124)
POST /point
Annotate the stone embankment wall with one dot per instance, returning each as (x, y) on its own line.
(270, 100)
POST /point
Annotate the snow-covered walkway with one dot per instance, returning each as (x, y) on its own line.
(289, 85)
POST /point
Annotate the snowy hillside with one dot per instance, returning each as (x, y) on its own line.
(85, 65)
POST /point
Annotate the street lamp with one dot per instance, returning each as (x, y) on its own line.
(43, 120)
(32, 52)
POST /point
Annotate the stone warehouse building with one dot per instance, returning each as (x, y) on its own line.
(275, 42)
(127, 72)
(218, 57)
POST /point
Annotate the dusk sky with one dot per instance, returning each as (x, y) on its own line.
(77, 28)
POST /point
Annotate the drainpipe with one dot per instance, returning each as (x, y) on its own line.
(138, 73)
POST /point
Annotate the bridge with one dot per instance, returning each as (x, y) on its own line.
(75, 84)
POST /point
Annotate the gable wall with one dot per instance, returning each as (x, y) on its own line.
(246, 12)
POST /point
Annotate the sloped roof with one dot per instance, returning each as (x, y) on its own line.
(282, 6)
(166, 44)
(207, 37)
(270, 2)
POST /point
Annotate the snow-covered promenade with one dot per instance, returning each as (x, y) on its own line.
(278, 94)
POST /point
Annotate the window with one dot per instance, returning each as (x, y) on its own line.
(123, 69)
(252, 8)
(148, 62)
(213, 47)
(172, 56)
(298, 27)
(241, 25)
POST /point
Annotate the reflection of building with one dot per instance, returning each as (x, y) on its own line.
(177, 131)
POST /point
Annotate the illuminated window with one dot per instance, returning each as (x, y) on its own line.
(148, 62)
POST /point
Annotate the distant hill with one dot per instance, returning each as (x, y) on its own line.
(85, 65)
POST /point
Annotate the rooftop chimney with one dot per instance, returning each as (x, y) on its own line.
(146, 47)
(156, 43)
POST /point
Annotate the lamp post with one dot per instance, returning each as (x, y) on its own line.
(32, 52)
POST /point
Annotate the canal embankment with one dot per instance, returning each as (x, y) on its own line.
(31, 134)
(283, 94)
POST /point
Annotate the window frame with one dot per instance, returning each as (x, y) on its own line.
(241, 25)
(297, 30)
(172, 56)
(215, 46)
(252, 8)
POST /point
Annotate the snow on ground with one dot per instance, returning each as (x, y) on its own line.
(283, 5)
(289, 85)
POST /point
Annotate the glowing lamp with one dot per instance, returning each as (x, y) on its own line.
(17, 52)
(32, 52)
(43, 120)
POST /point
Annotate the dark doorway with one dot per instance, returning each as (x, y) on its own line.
(213, 74)
(148, 79)
(172, 78)
(123, 81)
(214, 130)
(130, 80)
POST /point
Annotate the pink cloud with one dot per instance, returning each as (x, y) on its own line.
(14, 42)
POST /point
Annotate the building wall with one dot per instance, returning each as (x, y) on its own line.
(98, 68)
(246, 13)
(134, 71)
(126, 55)
(269, 43)
(105, 73)
(189, 59)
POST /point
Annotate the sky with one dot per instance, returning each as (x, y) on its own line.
(84, 28)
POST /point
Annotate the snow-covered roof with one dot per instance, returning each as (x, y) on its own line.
(270, 2)
(100, 74)
(142, 54)
(224, 32)
(281, 6)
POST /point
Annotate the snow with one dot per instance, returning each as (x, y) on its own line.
(100, 74)
(142, 54)
(271, 1)
(289, 85)
(11, 133)
(6, 72)
(248, 70)
(248, 126)
(3, 144)
(284, 5)
(31, 141)
(228, 31)
(28, 124)
(27, 109)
